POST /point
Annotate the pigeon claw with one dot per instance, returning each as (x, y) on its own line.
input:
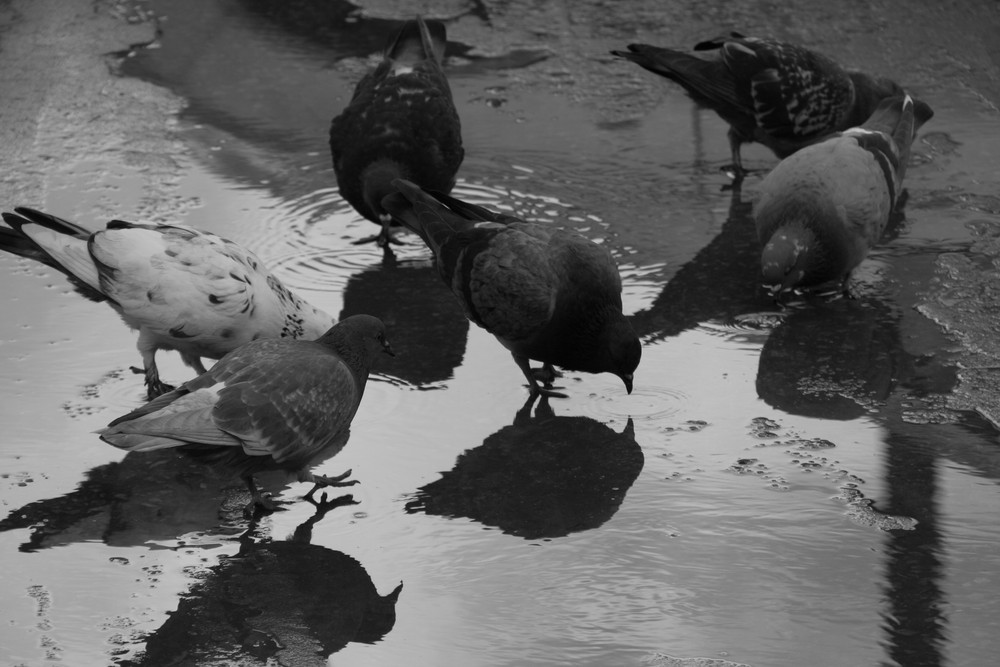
(338, 480)
(154, 386)
(260, 505)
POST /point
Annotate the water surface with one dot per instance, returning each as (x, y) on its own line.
(782, 487)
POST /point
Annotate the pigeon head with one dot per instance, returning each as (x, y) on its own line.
(357, 339)
(623, 351)
(789, 259)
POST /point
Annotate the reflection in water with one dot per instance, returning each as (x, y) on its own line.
(720, 282)
(915, 617)
(913, 621)
(341, 28)
(842, 360)
(337, 26)
(541, 477)
(832, 360)
(144, 497)
(282, 602)
(409, 298)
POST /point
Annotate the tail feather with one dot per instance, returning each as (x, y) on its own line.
(888, 135)
(54, 242)
(708, 82)
(418, 40)
(137, 442)
(426, 216)
(896, 118)
(52, 222)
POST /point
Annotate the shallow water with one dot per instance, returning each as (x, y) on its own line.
(781, 488)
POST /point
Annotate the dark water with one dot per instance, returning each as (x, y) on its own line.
(782, 488)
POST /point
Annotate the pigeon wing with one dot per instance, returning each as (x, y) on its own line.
(506, 283)
(289, 406)
(797, 93)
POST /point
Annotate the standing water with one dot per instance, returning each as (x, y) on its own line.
(811, 486)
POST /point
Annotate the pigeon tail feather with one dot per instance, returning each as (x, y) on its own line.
(708, 82)
(54, 242)
(418, 40)
(425, 215)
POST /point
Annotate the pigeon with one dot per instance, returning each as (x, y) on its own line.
(774, 93)
(183, 289)
(272, 404)
(820, 210)
(546, 294)
(401, 123)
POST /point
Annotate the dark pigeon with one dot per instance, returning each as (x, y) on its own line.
(774, 93)
(547, 294)
(401, 123)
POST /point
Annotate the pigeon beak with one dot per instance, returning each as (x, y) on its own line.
(387, 348)
(627, 379)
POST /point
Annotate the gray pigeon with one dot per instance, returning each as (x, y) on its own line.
(271, 404)
(822, 209)
(183, 289)
(546, 293)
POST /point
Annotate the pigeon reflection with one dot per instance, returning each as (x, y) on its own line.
(346, 31)
(541, 477)
(142, 498)
(834, 360)
(407, 296)
(275, 602)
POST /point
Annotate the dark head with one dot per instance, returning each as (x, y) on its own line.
(623, 350)
(358, 335)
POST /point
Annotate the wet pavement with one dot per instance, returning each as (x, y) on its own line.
(815, 486)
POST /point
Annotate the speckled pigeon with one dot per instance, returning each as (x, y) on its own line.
(546, 294)
(401, 123)
(270, 404)
(821, 209)
(781, 95)
(183, 289)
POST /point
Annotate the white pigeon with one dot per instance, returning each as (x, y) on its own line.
(182, 289)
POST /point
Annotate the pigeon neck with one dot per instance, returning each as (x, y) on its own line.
(351, 348)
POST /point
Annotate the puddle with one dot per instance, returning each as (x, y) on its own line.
(781, 487)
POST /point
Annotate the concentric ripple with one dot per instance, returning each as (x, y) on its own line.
(645, 402)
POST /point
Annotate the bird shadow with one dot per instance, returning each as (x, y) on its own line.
(143, 498)
(720, 282)
(543, 476)
(274, 602)
(410, 298)
(833, 360)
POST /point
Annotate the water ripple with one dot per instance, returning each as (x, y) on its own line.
(646, 402)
